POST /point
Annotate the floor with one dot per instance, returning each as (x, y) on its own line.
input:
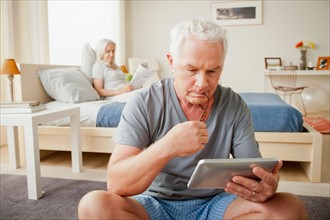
(58, 165)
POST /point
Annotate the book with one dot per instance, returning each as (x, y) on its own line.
(141, 75)
(19, 104)
(17, 110)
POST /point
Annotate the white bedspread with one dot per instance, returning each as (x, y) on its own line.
(88, 112)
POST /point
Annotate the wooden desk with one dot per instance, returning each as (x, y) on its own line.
(30, 123)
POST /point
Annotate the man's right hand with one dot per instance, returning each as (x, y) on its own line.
(186, 138)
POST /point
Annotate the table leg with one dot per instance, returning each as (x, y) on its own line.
(13, 147)
(76, 154)
(32, 162)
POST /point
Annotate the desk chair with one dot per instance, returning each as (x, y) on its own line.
(284, 82)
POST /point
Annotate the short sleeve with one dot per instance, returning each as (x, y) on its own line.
(133, 128)
(98, 71)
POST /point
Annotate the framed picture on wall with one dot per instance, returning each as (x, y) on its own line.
(323, 63)
(273, 63)
(237, 13)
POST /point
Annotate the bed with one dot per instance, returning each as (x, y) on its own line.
(302, 146)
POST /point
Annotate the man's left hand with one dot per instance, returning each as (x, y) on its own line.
(253, 190)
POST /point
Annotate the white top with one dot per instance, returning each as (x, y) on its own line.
(113, 79)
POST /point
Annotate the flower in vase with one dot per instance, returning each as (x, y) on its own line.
(300, 45)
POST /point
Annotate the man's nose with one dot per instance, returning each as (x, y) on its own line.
(201, 80)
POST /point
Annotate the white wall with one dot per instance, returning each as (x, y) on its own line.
(148, 24)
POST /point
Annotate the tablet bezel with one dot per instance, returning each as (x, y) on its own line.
(216, 173)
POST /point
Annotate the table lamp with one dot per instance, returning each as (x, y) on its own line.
(9, 68)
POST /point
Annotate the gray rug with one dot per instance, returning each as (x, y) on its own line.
(62, 196)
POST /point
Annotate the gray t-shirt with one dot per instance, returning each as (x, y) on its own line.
(152, 112)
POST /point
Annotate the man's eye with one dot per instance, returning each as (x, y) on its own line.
(212, 72)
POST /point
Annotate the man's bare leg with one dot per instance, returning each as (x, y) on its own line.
(105, 205)
(280, 206)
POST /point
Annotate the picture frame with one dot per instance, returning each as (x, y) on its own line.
(323, 63)
(237, 13)
(273, 63)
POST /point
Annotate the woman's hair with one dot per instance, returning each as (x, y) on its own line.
(201, 29)
(100, 49)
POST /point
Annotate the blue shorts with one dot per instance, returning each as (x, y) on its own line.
(210, 208)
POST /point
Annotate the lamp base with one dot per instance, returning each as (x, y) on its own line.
(10, 78)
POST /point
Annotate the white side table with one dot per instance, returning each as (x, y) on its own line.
(30, 123)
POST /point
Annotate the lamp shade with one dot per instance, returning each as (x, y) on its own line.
(9, 67)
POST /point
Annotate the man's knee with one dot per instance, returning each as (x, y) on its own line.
(93, 203)
(106, 205)
(290, 206)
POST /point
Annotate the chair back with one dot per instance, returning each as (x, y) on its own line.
(283, 79)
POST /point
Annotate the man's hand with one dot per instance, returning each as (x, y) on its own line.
(186, 138)
(253, 190)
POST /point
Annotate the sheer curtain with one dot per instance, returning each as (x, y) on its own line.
(7, 30)
(6, 43)
(24, 35)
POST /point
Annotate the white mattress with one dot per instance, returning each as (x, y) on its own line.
(88, 112)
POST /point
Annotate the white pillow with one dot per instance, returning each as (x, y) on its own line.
(88, 59)
(67, 85)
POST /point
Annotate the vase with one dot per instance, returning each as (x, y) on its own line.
(302, 61)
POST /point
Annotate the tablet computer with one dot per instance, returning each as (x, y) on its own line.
(216, 173)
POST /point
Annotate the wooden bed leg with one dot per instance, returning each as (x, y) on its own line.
(313, 168)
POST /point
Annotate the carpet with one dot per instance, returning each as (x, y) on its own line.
(62, 196)
(320, 124)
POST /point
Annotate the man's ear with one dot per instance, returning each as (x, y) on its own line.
(170, 60)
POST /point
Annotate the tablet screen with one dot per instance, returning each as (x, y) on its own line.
(216, 173)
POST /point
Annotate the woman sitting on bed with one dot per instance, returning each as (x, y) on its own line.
(109, 80)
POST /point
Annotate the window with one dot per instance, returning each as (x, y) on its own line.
(71, 24)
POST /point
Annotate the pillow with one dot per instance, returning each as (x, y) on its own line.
(67, 85)
(88, 59)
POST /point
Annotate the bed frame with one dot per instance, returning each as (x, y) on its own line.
(304, 147)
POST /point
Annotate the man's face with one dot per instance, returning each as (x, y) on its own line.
(196, 70)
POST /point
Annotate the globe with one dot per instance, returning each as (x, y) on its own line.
(315, 98)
